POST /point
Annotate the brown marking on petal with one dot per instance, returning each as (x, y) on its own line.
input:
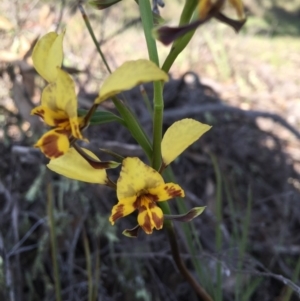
(158, 222)
(63, 131)
(49, 147)
(119, 212)
(58, 121)
(40, 112)
(150, 199)
(142, 209)
(137, 202)
(152, 205)
(98, 165)
(173, 192)
(147, 227)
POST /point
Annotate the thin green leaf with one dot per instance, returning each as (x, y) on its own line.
(101, 117)
(102, 4)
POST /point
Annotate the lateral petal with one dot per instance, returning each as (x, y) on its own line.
(49, 97)
(66, 100)
(54, 143)
(129, 75)
(50, 117)
(65, 95)
(167, 191)
(179, 136)
(48, 54)
(136, 177)
(123, 208)
(72, 165)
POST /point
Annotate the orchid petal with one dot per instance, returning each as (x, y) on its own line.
(54, 143)
(166, 191)
(60, 96)
(149, 218)
(47, 55)
(72, 165)
(129, 75)
(179, 136)
(123, 208)
(136, 177)
(50, 117)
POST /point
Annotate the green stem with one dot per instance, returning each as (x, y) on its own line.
(147, 20)
(88, 264)
(179, 45)
(52, 228)
(187, 12)
(146, 100)
(146, 15)
(157, 124)
(134, 127)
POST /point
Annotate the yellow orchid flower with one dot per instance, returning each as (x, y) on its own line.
(179, 136)
(206, 5)
(58, 102)
(140, 187)
(59, 110)
(207, 9)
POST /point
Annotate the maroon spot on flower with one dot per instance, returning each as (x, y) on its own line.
(63, 131)
(50, 146)
(152, 197)
(142, 209)
(173, 192)
(59, 121)
(119, 212)
(147, 225)
(137, 202)
(158, 222)
(40, 113)
(152, 205)
(151, 201)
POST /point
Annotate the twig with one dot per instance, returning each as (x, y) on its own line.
(182, 268)
(15, 248)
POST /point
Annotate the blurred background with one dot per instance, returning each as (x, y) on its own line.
(245, 170)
